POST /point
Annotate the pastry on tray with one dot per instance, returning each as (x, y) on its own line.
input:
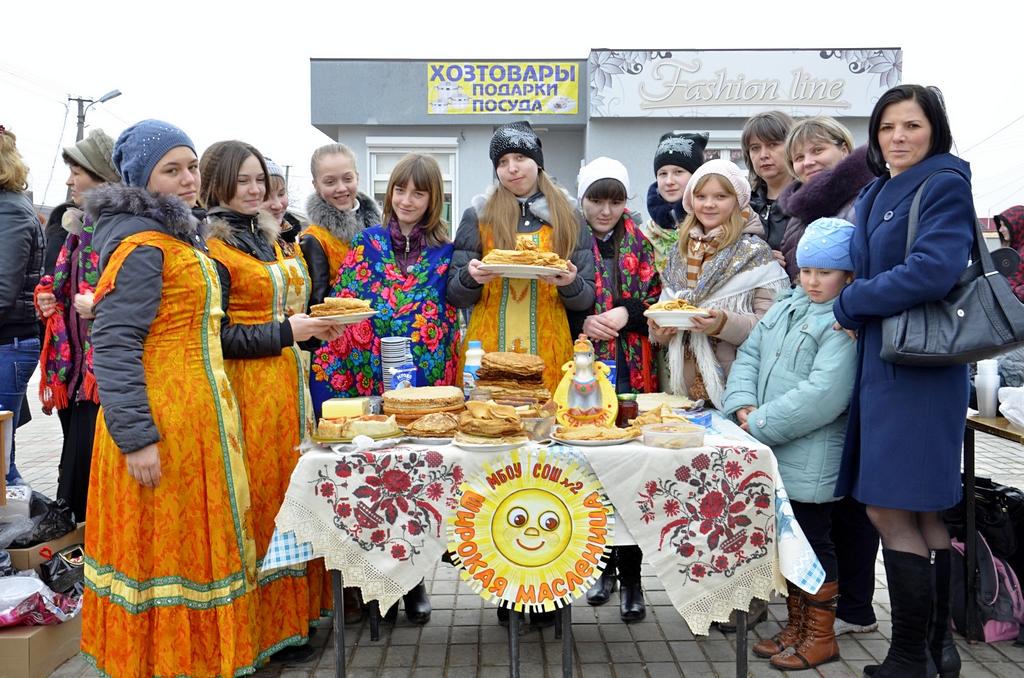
(471, 439)
(520, 367)
(674, 305)
(339, 306)
(373, 425)
(490, 419)
(652, 401)
(409, 404)
(591, 432)
(662, 414)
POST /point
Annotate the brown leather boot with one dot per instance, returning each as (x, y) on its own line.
(818, 641)
(788, 636)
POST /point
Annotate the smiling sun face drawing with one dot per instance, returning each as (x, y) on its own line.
(533, 526)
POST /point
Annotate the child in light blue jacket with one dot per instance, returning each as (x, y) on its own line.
(790, 388)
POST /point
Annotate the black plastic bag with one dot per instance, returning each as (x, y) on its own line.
(52, 519)
(65, 571)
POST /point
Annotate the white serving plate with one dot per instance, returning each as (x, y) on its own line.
(678, 319)
(594, 443)
(347, 318)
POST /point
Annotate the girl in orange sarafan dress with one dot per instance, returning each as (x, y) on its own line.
(521, 315)
(270, 380)
(170, 555)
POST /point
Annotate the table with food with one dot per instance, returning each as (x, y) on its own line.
(373, 493)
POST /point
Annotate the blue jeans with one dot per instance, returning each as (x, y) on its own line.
(18, 361)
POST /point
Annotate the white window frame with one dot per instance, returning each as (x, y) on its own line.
(439, 145)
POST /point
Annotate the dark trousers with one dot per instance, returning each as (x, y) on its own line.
(856, 547)
(815, 520)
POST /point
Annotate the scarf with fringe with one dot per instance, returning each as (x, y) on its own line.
(56, 361)
(727, 282)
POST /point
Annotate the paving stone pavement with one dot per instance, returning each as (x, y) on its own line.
(463, 638)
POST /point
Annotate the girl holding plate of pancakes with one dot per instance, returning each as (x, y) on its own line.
(525, 206)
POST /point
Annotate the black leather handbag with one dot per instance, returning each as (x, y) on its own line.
(979, 319)
(998, 516)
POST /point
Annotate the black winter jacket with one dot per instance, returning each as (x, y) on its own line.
(21, 266)
(772, 217)
(464, 292)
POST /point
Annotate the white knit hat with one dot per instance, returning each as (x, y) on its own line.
(722, 168)
(601, 168)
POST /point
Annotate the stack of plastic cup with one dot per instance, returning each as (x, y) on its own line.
(987, 386)
(394, 352)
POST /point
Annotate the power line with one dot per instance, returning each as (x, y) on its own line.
(60, 140)
(994, 133)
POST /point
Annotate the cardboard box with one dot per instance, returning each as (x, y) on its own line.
(36, 651)
(26, 559)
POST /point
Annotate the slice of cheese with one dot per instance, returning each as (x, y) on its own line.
(336, 408)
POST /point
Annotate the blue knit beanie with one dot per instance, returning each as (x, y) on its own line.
(826, 244)
(140, 147)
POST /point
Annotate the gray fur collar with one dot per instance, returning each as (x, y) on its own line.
(222, 230)
(539, 207)
(343, 225)
(168, 210)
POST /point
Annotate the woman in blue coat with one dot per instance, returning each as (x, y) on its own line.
(906, 424)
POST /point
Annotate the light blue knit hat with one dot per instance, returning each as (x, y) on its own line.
(826, 244)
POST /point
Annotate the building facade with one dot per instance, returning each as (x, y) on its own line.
(615, 104)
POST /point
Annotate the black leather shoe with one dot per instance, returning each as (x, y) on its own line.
(603, 588)
(294, 654)
(631, 602)
(542, 620)
(417, 605)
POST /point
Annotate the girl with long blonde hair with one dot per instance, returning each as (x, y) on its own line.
(509, 314)
(720, 264)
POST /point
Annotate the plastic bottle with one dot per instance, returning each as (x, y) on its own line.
(986, 383)
(473, 356)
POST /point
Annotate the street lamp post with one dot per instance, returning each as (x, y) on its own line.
(82, 110)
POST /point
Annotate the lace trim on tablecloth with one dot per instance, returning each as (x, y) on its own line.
(339, 555)
(757, 582)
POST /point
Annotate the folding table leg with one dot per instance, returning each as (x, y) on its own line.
(566, 627)
(339, 624)
(741, 644)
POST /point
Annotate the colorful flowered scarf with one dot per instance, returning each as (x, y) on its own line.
(55, 358)
(637, 279)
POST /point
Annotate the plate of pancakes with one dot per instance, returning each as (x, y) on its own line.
(342, 310)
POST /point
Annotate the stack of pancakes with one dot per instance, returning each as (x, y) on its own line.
(339, 306)
(526, 253)
(436, 425)
(513, 375)
(409, 404)
(490, 424)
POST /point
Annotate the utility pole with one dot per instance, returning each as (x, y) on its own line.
(287, 170)
(82, 110)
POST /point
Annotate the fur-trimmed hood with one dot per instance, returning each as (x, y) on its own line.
(343, 225)
(169, 211)
(830, 191)
(537, 204)
(222, 229)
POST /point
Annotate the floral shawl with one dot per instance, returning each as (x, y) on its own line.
(58, 365)
(727, 282)
(409, 304)
(637, 279)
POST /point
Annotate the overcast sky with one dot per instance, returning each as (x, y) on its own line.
(220, 70)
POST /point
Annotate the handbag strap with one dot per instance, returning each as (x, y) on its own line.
(978, 253)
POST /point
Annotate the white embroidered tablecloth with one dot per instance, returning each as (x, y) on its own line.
(704, 517)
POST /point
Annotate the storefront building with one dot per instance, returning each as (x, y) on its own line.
(616, 104)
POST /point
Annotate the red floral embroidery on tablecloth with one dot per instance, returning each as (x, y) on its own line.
(713, 512)
(389, 502)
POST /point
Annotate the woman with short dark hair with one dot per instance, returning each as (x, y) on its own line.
(906, 425)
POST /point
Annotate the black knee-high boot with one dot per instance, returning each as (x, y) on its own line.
(910, 593)
(603, 588)
(941, 647)
(631, 596)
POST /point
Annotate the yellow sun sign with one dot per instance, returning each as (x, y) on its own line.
(531, 530)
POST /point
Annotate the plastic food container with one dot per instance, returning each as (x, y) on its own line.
(538, 428)
(673, 436)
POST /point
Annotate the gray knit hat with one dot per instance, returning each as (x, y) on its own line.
(826, 244)
(93, 153)
(140, 147)
(274, 169)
